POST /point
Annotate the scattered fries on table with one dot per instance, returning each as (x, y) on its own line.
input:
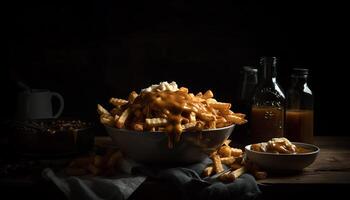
(232, 158)
(95, 165)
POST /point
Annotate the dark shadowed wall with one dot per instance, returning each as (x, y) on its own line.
(90, 52)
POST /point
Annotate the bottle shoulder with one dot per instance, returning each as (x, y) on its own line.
(270, 90)
(300, 89)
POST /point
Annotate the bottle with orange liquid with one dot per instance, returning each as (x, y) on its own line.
(268, 107)
(299, 114)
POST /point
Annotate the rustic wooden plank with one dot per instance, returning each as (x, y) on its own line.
(327, 142)
(331, 161)
(321, 177)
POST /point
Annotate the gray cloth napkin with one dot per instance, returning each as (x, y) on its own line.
(118, 187)
(186, 179)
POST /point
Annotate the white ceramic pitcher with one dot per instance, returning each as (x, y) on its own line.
(37, 104)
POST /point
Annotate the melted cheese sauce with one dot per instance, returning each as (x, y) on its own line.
(173, 106)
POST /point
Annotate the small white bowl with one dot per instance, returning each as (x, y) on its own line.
(283, 162)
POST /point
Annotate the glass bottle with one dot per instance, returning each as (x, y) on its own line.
(247, 84)
(250, 80)
(299, 114)
(268, 106)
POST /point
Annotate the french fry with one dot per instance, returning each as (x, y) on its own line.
(241, 115)
(217, 163)
(107, 120)
(101, 110)
(192, 117)
(224, 151)
(117, 102)
(231, 176)
(226, 112)
(183, 89)
(220, 125)
(189, 125)
(121, 121)
(220, 120)
(235, 119)
(236, 152)
(220, 105)
(206, 117)
(132, 96)
(227, 142)
(138, 126)
(210, 101)
(155, 122)
(208, 94)
(212, 124)
(228, 160)
(208, 171)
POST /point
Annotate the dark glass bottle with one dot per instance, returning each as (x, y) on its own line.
(268, 106)
(300, 110)
(248, 82)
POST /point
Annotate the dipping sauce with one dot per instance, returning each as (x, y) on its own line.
(278, 146)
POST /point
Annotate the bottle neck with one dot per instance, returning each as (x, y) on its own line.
(299, 80)
(269, 71)
(300, 83)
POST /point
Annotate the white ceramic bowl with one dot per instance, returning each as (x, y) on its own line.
(283, 162)
(152, 147)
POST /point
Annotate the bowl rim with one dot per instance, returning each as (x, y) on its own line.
(162, 132)
(315, 150)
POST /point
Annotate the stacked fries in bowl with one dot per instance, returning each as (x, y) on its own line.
(166, 124)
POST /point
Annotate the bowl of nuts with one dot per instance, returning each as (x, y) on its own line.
(51, 137)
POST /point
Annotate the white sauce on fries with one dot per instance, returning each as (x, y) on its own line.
(162, 86)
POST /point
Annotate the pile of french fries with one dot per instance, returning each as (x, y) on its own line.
(169, 111)
(95, 165)
(233, 159)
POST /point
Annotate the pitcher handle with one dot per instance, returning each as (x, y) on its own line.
(61, 100)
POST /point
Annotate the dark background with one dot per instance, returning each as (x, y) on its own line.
(92, 51)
